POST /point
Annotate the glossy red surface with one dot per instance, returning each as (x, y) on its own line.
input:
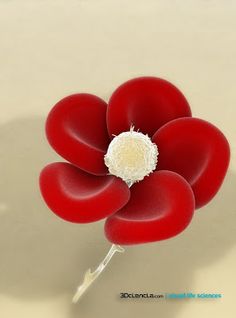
(76, 129)
(77, 196)
(147, 103)
(196, 150)
(161, 206)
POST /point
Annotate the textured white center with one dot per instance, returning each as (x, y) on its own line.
(131, 156)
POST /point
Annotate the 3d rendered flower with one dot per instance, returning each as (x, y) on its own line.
(141, 161)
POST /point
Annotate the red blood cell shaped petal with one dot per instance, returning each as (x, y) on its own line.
(76, 129)
(79, 197)
(147, 103)
(198, 151)
(161, 206)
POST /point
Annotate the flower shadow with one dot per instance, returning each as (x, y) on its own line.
(43, 256)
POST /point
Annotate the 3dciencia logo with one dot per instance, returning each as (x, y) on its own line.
(170, 295)
(140, 161)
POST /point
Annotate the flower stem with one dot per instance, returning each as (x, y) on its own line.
(89, 277)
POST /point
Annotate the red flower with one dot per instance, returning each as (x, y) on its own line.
(192, 161)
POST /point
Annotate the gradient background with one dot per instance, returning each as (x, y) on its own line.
(49, 49)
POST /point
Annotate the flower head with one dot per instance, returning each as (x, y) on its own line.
(142, 161)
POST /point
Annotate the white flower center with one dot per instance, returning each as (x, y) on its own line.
(131, 156)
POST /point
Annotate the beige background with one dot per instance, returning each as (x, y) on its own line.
(49, 49)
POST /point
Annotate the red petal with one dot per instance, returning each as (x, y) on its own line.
(147, 103)
(198, 151)
(79, 197)
(76, 129)
(161, 206)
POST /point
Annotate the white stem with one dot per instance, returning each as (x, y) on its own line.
(90, 277)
